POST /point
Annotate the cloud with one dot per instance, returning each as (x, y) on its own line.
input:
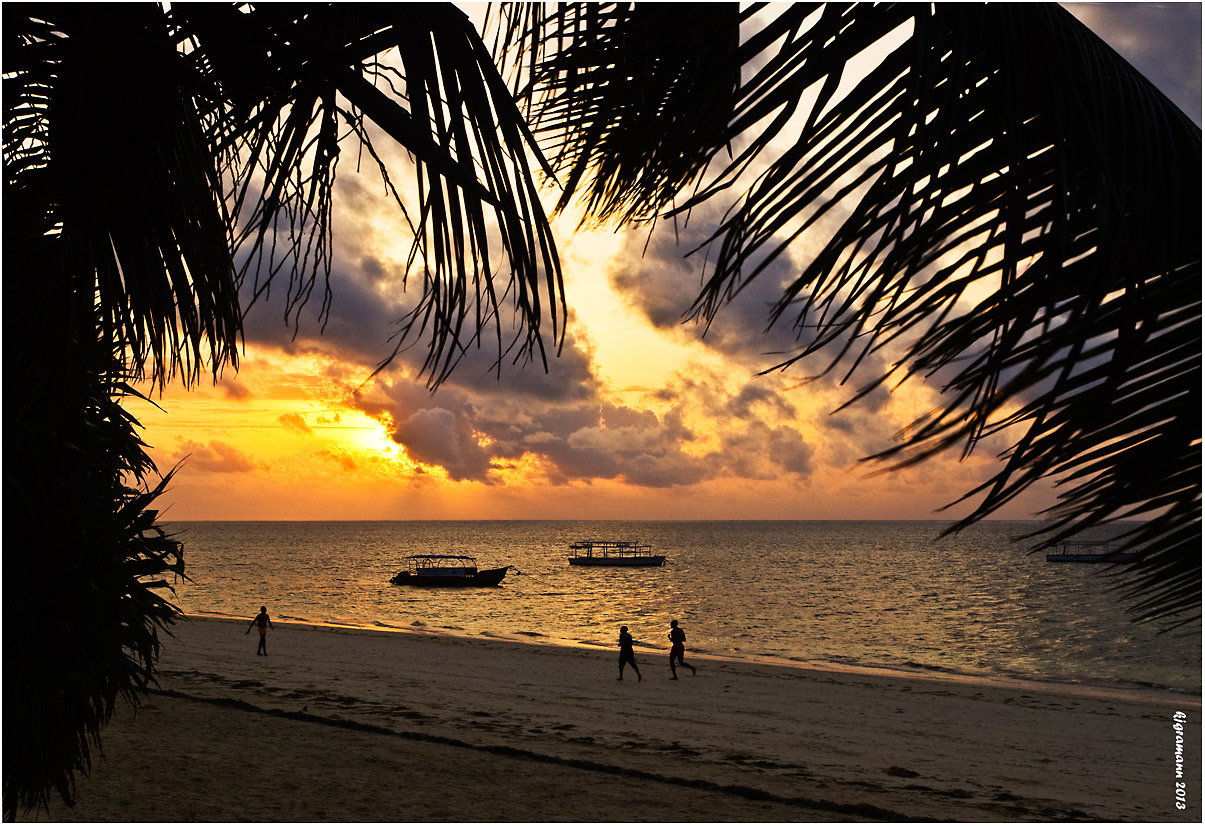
(365, 312)
(491, 412)
(763, 452)
(436, 436)
(374, 290)
(234, 389)
(662, 276)
(215, 457)
(624, 443)
(341, 460)
(755, 394)
(475, 433)
(1161, 40)
(294, 422)
(707, 423)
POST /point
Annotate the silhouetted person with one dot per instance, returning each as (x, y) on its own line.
(264, 623)
(626, 655)
(676, 651)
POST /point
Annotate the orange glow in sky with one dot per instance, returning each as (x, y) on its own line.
(642, 417)
(656, 424)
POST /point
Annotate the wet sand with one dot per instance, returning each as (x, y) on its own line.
(342, 724)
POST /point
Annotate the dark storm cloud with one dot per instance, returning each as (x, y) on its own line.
(567, 377)
(357, 328)
(1161, 40)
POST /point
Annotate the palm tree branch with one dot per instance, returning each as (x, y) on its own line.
(1002, 144)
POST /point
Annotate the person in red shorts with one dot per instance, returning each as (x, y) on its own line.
(676, 651)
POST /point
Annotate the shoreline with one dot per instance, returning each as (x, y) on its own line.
(1087, 687)
(344, 724)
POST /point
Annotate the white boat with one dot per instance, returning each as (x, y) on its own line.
(1090, 551)
(622, 554)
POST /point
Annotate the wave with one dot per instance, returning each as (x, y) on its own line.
(912, 668)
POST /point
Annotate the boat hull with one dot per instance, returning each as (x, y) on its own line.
(618, 561)
(480, 579)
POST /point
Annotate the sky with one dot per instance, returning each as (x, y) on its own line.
(640, 417)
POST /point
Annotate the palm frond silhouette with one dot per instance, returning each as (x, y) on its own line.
(1021, 223)
(158, 159)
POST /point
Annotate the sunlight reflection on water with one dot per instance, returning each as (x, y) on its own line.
(854, 593)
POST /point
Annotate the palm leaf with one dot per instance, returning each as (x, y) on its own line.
(1001, 145)
(130, 188)
(289, 78)
(84, 563)
(146, 150)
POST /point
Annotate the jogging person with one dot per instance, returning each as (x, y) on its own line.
(626, 655)
(678, 637)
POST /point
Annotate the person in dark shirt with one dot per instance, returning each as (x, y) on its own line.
(264, 623)
(626, 655)
(678, 648)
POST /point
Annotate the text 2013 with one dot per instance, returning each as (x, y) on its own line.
(1181, 789)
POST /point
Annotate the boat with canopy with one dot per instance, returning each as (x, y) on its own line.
(621, 554)
(445, 570)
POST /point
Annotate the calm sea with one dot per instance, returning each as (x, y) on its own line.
(880, 594)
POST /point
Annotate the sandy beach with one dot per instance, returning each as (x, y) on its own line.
(341, 724)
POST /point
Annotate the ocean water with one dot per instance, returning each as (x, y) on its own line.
(877, 594)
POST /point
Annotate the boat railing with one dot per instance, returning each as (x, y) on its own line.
(1088, 550)
(436, 565)
(1086, 546)
(611, 549)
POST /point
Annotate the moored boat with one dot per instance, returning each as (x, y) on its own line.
(447, 571)
(623, 554)
(1090, 551)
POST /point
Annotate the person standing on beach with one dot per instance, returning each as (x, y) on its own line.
(264, 622)
(678, 649)
(626, 655)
